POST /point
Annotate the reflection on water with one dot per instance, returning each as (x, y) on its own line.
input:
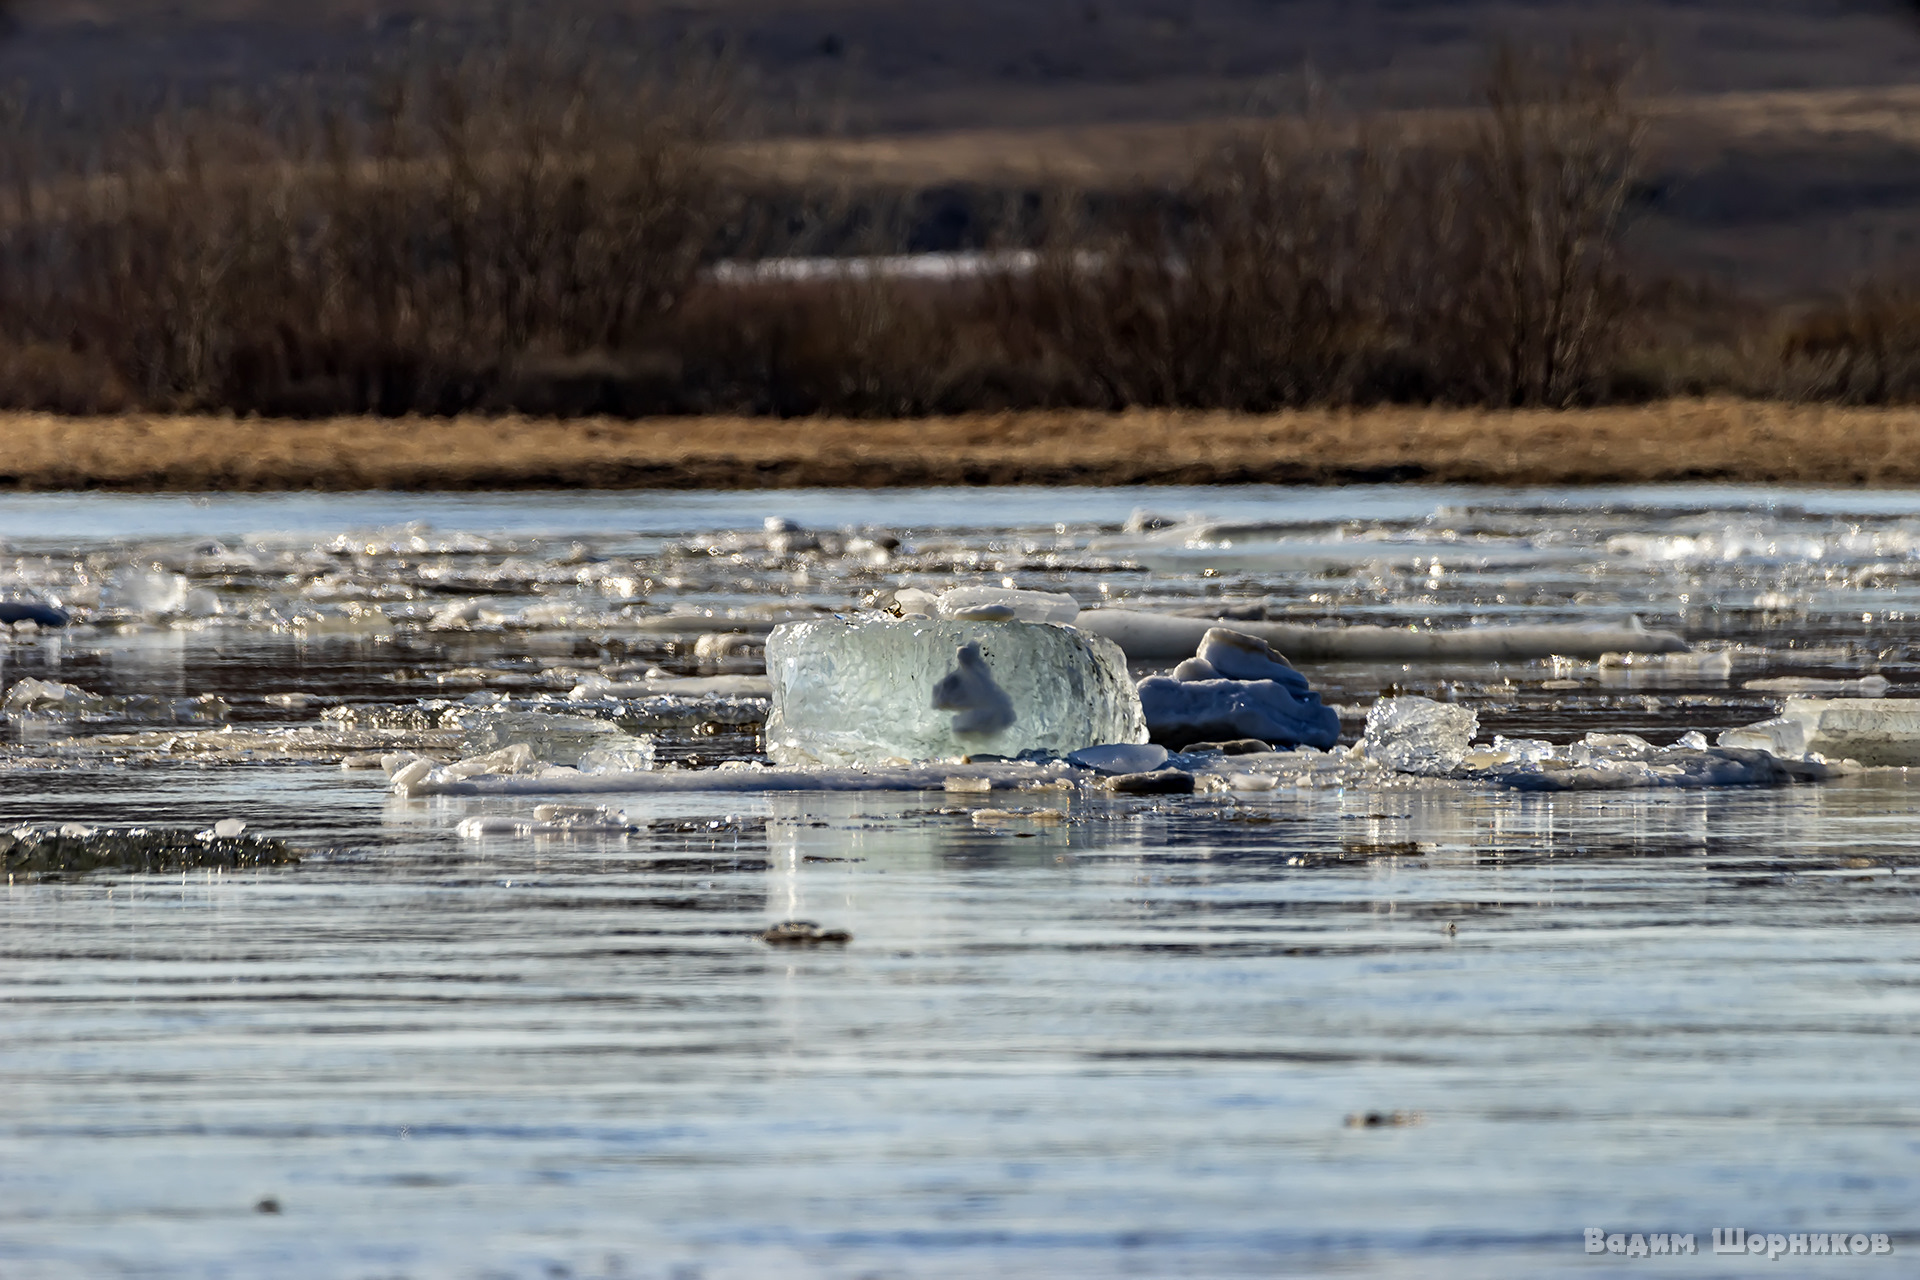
(1131, 1043)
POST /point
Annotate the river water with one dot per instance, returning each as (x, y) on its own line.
(1420, 1030)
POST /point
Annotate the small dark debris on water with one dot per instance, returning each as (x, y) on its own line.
(73, 849)
(804, 933)
(814, 857)
(268, 1204)
(1385, 1119)
(1382, 849)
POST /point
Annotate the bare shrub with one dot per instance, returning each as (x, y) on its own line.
(1544, 192)
(1331, 262)
(1864, 349)
(512, 203)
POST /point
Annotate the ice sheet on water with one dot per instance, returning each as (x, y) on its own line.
(849, 692)
(1634, 767)
(1707, 665)
(1871, 731)
(1864, 687)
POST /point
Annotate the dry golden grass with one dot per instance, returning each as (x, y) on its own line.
(1685, 440)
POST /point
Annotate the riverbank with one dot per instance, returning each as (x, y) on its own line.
(1678, 441)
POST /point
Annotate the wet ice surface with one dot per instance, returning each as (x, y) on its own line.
(1126, 1042)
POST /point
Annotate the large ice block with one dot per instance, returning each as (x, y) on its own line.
(867, 690)
(1872, 731)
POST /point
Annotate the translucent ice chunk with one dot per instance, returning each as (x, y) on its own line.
(147, 591)
(1873, 731)
(48, 696)
(979, 604)
(981, 708)
(1419, 735)
(634, 755)
(862, 691)
(553, 738)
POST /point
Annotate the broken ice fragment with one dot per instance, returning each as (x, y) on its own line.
(229, 828)
(147, 591)
(983, 707)
(48, 697)
(1419, 735)
(633, 756)
(852, 692)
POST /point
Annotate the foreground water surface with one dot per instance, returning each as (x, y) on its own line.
(1425, 1030)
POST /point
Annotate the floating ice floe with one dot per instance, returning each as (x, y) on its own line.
(552, 738)
(550, 820)
(52, 700)
(1863, 687)
(1871, 731)
(1435, 739)
(416, 778)
(607, 752)
(864, 691)
(1618, 762)
(1236, 686)
(653, 685)
(1714, 665)
(1161, 637)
